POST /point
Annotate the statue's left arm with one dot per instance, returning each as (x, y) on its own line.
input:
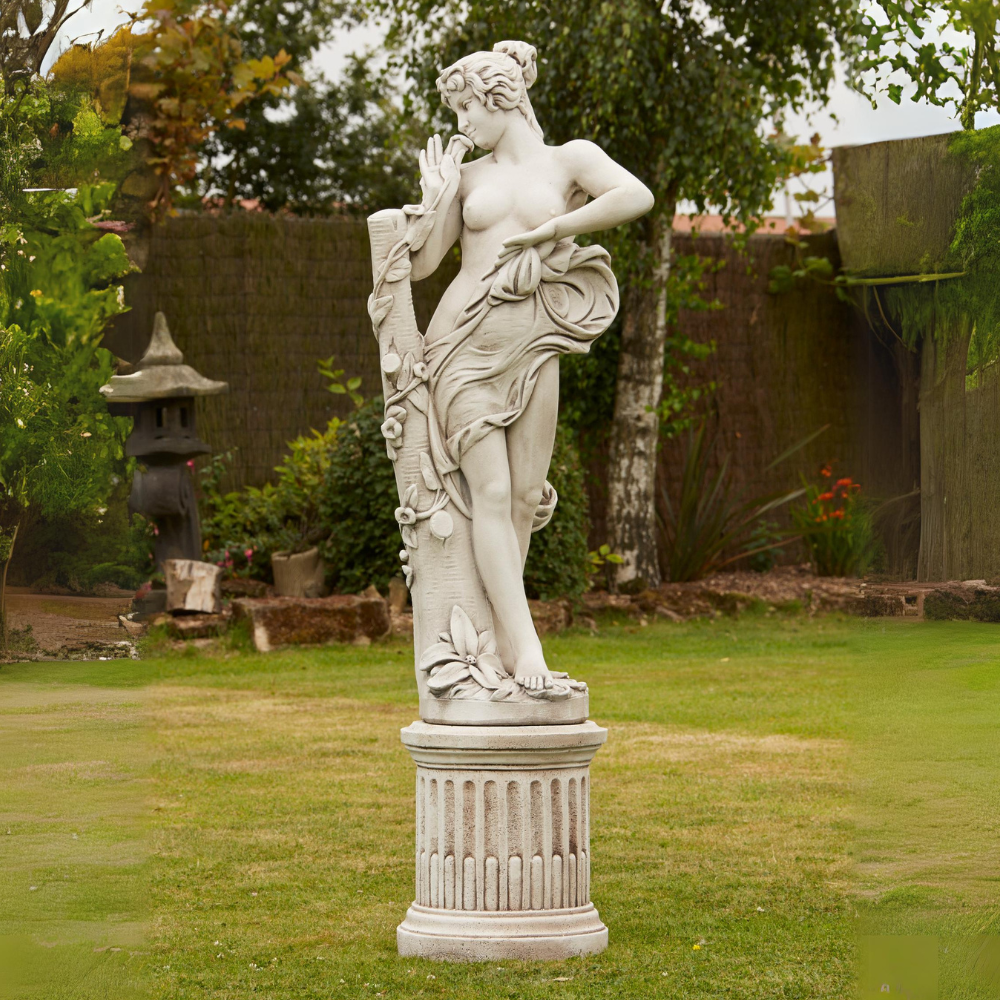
(617, 197)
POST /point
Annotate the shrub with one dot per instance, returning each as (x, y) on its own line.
(357, 505)
(558, 559)
(338, 489)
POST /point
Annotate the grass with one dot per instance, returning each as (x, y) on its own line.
(244, 822)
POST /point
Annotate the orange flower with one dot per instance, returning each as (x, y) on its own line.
(837, 513)
(826, 471)
(825, 496)
(844, 482)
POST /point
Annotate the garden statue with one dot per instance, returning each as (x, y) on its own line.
(504, 745)
(159, 395)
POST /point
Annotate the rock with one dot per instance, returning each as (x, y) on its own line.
(135, 629)
(881, 605)
(196, 626)
(192, 585)
(551, 616)
(399, 594)
(312, 621)
(371, 591)
(240, 587)
(963, 602)
(402, 623)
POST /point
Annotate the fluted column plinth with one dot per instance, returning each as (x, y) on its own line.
(503, 843)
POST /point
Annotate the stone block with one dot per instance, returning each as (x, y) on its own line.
(312, 621)
(192, 585)
(974, 601)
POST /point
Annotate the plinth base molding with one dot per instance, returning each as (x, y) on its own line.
(454, 936)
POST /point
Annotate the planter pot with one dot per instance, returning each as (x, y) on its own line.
(298, 574)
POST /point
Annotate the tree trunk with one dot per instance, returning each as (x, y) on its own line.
(635, 431)
(3, 589)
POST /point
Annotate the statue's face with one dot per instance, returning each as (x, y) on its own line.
(482, 126)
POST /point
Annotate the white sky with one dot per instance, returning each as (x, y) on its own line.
(848, 120)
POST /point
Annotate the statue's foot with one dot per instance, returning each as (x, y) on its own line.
(532, 674)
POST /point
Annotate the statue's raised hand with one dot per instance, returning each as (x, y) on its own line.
(440, 167)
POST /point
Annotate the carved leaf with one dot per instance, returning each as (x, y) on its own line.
(407, 373)
(440, 652)
(399, 269)
(431, 480)
(483, 678)
(419, 399)
(418, 229)
(410, 496)
(390, 451)
(409, 536)
(505, 690)
(449, 675)
(378, 308)
(463, 633)
(490, 665)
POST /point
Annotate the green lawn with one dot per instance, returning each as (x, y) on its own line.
(230, 824)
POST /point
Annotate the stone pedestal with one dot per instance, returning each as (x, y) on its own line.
(503, 843)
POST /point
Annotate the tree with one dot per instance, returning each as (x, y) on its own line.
(679, 93)
(910, 38)
(22, 51)
(59, 448)
(193, 81)
(332, 145)
(319, 145)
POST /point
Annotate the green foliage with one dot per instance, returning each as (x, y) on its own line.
(558, 560)
(95, 546)
(337, 489)
(357, 505)
(912, 38)
(970, 302)
(59, 448)
(242, 529)
(706, 521)
(836, 527)
(333, 145)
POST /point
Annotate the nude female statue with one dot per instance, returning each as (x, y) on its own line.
(525, 294)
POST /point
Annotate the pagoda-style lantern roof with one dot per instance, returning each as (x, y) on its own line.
(160, 374)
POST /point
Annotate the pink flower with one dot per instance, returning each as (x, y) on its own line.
(190, 463)
(249, 554)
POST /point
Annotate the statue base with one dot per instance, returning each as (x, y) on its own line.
(503, 843)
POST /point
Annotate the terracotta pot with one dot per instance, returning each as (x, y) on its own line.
(298, 574)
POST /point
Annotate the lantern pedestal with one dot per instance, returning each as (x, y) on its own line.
(503, 843)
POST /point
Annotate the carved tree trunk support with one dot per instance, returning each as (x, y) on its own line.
(503, 852)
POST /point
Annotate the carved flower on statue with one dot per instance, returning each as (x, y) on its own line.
(420, 371)
(406, 517)
(463, 657)
(392, 429)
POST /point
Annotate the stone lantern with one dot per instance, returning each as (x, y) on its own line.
(159, 396)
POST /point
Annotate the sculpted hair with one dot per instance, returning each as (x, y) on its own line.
(500, 79)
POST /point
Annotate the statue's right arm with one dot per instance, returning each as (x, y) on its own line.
(447, 229)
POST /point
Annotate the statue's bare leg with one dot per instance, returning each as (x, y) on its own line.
(530, 440)
(498, 557)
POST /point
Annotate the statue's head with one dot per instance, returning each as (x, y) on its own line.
(484, 87)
